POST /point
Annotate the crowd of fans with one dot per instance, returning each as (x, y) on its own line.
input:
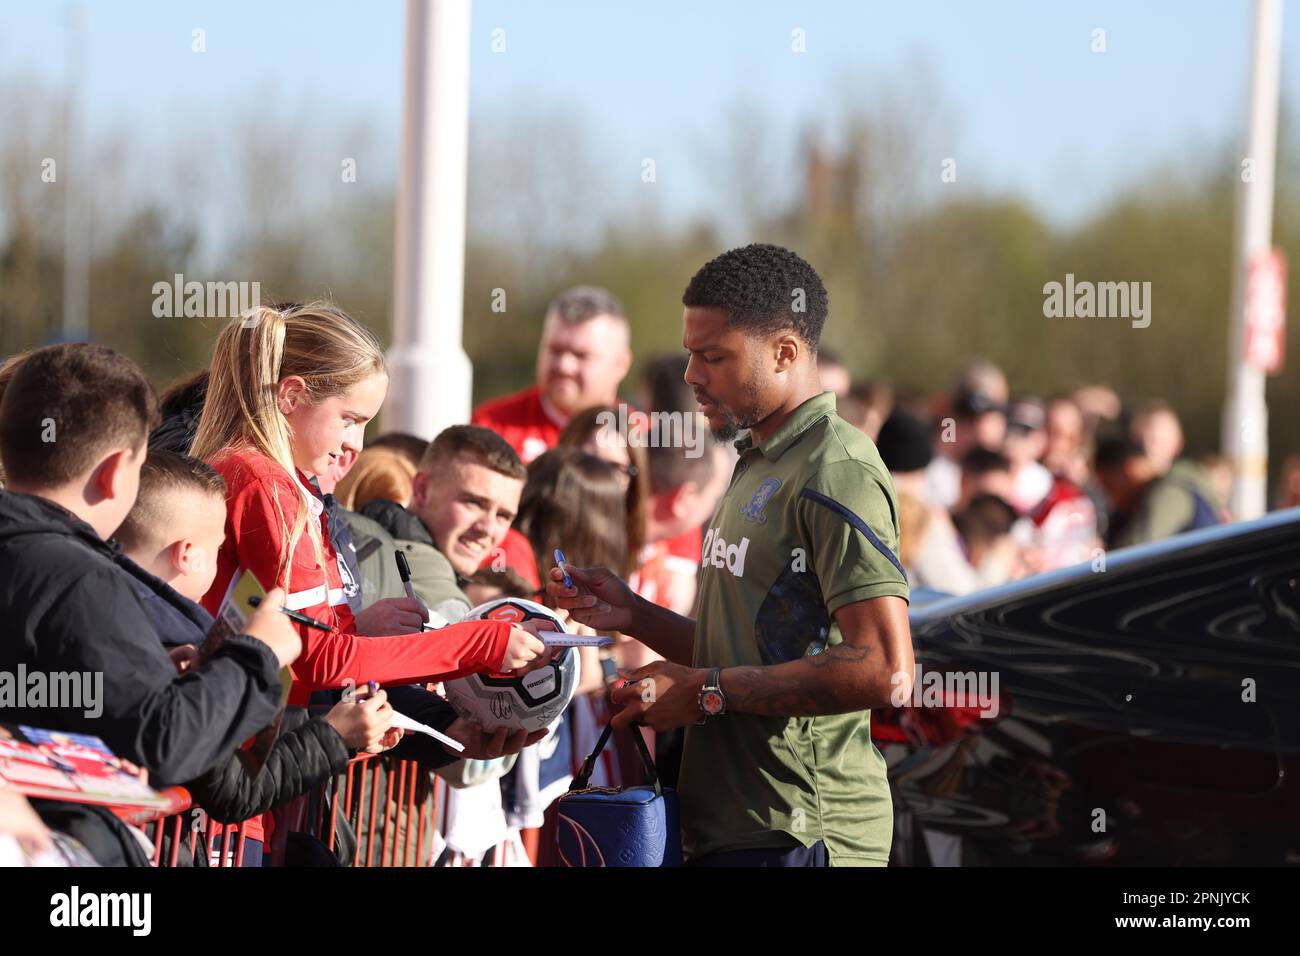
(995, 486)
(116, 552)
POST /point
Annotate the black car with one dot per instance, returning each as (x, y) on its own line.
(1146, 711)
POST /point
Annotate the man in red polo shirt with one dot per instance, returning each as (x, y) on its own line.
(583, 356)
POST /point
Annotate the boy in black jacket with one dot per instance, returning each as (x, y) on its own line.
(169, 545)
(73, 423)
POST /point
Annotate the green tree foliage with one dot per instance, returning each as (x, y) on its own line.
(918, 285)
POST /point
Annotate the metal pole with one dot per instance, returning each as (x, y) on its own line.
(1245, 414)
(431, 373)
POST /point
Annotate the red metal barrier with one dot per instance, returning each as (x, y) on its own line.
(204, 837)
(406, 831)
(165, 827)
(392, 808)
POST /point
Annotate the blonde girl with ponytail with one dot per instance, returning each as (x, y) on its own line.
(291, 390)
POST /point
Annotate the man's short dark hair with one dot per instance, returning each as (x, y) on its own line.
(475, 443)
(665, 383)
(165, 472)
(1115, 452)
(583, 302)
(764, 289)
(181, 407)
(670, 467)
(904, 442)
(984, 520)
(66, 406)
(981, 461)
(185, 395)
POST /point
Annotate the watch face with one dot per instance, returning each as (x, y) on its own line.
(712, 702)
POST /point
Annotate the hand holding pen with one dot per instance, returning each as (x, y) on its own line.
(256, 602)
(268, 624)
(596, 597)
(431, 621)
(364, 718)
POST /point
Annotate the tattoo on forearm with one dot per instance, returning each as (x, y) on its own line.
(826, 683)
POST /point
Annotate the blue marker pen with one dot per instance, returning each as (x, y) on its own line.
(559, 560)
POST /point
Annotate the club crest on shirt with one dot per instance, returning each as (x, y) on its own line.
(754, 510)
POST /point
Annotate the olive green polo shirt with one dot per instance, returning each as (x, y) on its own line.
(808, 525)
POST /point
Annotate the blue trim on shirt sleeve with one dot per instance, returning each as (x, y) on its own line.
(857, 522)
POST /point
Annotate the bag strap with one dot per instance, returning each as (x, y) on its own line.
(589, 764)
(647, 761)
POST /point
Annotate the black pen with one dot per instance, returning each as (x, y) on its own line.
(254, 601)
(404, 572)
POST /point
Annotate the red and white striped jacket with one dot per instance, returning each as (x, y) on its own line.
(254, 533)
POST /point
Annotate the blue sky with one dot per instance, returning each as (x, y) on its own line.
(1036, 112)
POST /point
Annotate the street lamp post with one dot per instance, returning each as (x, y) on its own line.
(431, 374)
(1245, 414)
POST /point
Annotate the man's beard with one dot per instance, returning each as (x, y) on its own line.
(733, 423)
(746, 417)
(730, 428)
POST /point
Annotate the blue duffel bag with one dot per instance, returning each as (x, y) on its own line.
(625, 826)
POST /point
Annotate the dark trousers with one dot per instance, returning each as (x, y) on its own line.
(814, 855)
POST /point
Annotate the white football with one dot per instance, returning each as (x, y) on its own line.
(532, 702)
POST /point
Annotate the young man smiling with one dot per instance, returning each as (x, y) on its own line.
(463, 500)
(802, 622)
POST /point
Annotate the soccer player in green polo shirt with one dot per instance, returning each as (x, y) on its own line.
(801, 623)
